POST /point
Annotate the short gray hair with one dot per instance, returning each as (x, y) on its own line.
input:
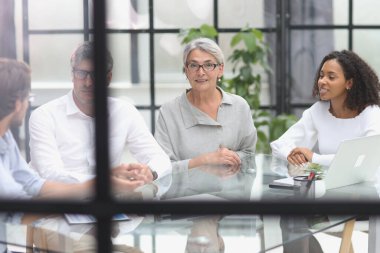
(205, 45)
(85, 51)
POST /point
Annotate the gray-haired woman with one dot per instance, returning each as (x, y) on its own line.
(205, 125)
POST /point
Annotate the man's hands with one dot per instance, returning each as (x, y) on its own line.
(299, 156)
(127, 177)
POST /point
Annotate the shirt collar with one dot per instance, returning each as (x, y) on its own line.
(197, 117)
(4, 143)
(71, 107)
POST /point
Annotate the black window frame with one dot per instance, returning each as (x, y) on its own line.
(103, 206)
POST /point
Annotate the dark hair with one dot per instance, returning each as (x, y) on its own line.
(85, 51)
(14, 84)
(365, 83)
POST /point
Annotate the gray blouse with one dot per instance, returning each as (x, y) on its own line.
(184, 131)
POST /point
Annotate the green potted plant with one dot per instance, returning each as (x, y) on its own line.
(249, 61)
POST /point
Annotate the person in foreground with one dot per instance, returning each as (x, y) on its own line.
(62, 132)
(205, 125)
(17, 180)
(348, 107)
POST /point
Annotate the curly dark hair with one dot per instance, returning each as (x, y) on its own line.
(365, 88)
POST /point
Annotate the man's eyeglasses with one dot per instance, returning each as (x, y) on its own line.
(83, 74)
(193, 67)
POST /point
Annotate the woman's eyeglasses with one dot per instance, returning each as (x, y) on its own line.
(193, 67)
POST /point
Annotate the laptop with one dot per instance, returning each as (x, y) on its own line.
(356, 161)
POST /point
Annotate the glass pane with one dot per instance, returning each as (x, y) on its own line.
(319, 12)
(366, 12)
(182, 14)
(225, 41)
(252, 13)
(50, 14)
(170, 79)
(168, 56)
(47, 52)
(132, 14)
(307, 50)
(130, 75)
(365, 43)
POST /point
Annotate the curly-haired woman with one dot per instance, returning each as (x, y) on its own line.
(348, 90)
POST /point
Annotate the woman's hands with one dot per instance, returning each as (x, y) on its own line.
(300, 156)
(222, 156)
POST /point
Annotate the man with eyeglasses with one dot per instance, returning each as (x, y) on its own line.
(62, 132)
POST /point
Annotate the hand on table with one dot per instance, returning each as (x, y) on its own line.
(299, 156)
(223, 156)
(127, 177)
(134, 172)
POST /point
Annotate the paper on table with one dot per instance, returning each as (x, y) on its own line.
(86, 219)
(286, 180)
(198, 197)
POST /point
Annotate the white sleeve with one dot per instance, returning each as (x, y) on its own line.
(144, 147)
(324, 160)
(163, 138)
(44, 152)
(301, 134)
(371, 121)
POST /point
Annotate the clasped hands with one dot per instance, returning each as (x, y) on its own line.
(222, 156)
(300, 156)
(130, 176)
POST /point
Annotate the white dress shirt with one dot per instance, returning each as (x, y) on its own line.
(62, 140)
(322, 132)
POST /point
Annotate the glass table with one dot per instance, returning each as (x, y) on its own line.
(173, 233)
(201, 233)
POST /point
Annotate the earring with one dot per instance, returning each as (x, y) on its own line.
(219, 79)
(348, 89)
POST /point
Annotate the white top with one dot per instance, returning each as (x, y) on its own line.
(321, 132)
(62, 140)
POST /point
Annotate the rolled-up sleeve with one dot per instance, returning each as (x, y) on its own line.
(21, 172)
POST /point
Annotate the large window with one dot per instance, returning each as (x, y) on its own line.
(318, 27)
(142, 36)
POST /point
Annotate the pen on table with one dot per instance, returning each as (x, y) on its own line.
(310, 179)
(311, 176)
